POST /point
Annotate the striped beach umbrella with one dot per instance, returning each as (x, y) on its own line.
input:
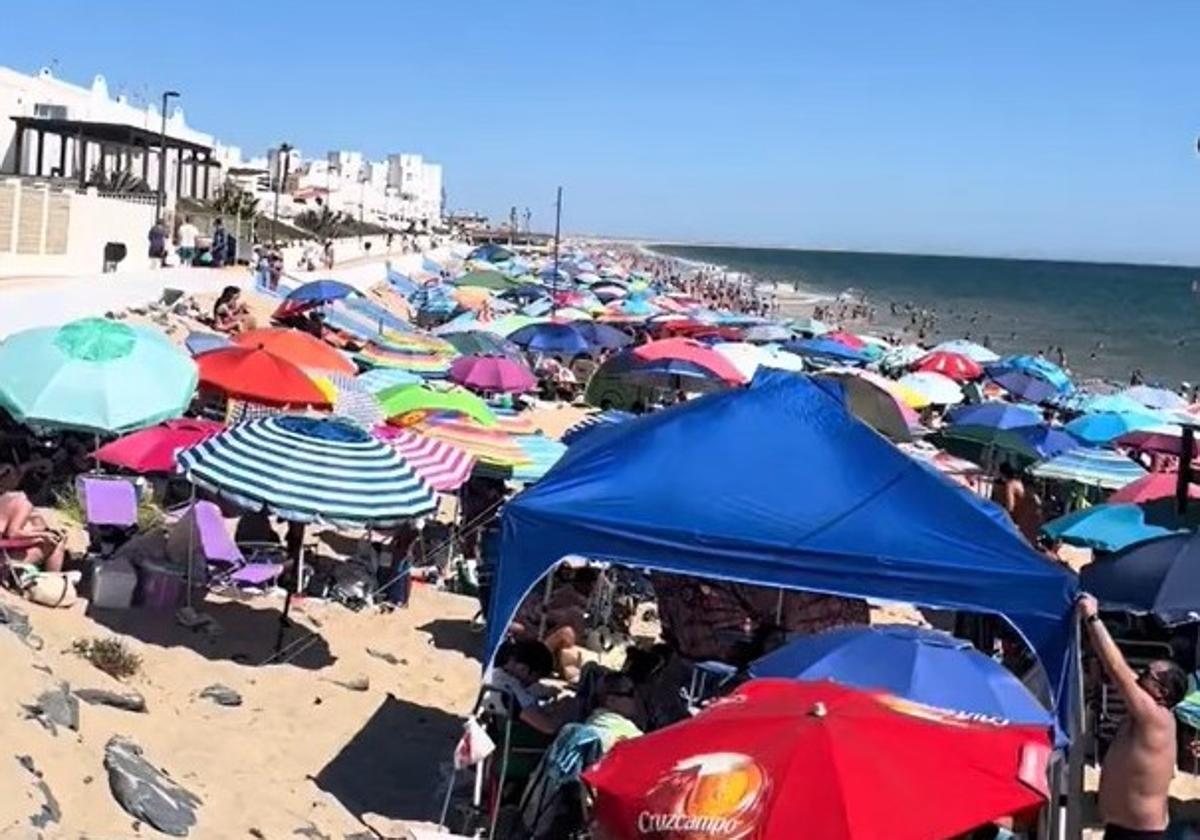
(445, 466)
(594, 422)
(304, 469)
(1102, 468)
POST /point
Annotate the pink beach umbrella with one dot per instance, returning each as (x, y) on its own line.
(492, 373)
(1150, 488)
(445, 466)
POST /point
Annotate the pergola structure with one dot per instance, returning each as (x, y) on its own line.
(116, 142)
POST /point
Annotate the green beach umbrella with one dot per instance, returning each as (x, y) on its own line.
(486, 279)
(94, 375)
(408, 398)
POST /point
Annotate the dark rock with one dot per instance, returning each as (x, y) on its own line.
(146, 793)
(50, 812)
(254, 832)
(312, 833)
(384, 655)
(129, 701)
(56, 707)
(222, 695)
(18, 622)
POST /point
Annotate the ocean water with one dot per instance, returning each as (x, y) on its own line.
(1110, 319)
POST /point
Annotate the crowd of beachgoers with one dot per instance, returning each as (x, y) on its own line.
(302, 448)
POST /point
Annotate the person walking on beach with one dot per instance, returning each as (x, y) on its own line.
(187, 241)
(220, 243)
(1023, 505)
(1140, 762)
(158, 243)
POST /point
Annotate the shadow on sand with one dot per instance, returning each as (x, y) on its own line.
(390, 767)
(455, 634)
(247, 633)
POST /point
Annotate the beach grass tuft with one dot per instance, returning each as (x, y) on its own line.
(110, 655)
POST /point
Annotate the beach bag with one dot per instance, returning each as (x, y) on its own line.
(50, 589)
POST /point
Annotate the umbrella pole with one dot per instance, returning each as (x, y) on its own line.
(287, 601)
(191, 545)
(1187, 451)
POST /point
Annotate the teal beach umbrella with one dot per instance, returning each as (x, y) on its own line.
(94, 375)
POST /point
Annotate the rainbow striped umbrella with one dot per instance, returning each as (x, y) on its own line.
(489, 446)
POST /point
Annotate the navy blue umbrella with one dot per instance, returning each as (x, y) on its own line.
(557, 339)
(1160, 576)
(1024, 384)
(925, 666)
(602, 335)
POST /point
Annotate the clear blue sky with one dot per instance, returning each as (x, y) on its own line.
(1018, 128)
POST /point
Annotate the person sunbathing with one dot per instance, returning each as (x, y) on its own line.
(35, 543)
(230, 312)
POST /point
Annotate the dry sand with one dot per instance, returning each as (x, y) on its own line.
(300, 752)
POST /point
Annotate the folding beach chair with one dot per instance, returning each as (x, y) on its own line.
(110, 511)
(554, 805)
(519, 751)
(200, 536)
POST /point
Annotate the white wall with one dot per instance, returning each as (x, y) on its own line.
(36, 239)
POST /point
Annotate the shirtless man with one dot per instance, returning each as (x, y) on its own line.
(1140, 761)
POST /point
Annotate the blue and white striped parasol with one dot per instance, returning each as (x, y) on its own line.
(305, 469)
(1097, 467)
(592, 422)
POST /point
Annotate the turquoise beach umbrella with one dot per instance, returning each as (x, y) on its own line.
(94, 375)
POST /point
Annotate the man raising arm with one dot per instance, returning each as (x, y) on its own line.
(1140, 762)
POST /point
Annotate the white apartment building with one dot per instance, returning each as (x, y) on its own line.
(419, 185)
(50, 128)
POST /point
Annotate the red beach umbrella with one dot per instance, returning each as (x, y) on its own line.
(299, 348)
(686, 350)
(958, 367)
(153, 450)
(492, 373)
(785, 759)
(258, 376)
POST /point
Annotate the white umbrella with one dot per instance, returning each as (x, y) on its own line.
(974, 352)
(748, 358)
(938, 389)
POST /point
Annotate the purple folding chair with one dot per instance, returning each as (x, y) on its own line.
(212, 543)
(110, 511)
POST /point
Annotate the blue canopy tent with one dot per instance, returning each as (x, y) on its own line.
(778, 485)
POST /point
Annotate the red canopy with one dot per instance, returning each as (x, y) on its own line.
(785, 759)
(958, 367)
(153, 450)
(258, 376)
(686, 350)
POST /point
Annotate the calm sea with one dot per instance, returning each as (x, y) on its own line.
(1108, 318)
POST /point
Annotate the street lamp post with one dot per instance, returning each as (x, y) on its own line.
(160, 194)
(281, 167)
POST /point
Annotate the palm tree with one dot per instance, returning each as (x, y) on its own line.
(119, 181)
(324, 223)
(231, 200)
